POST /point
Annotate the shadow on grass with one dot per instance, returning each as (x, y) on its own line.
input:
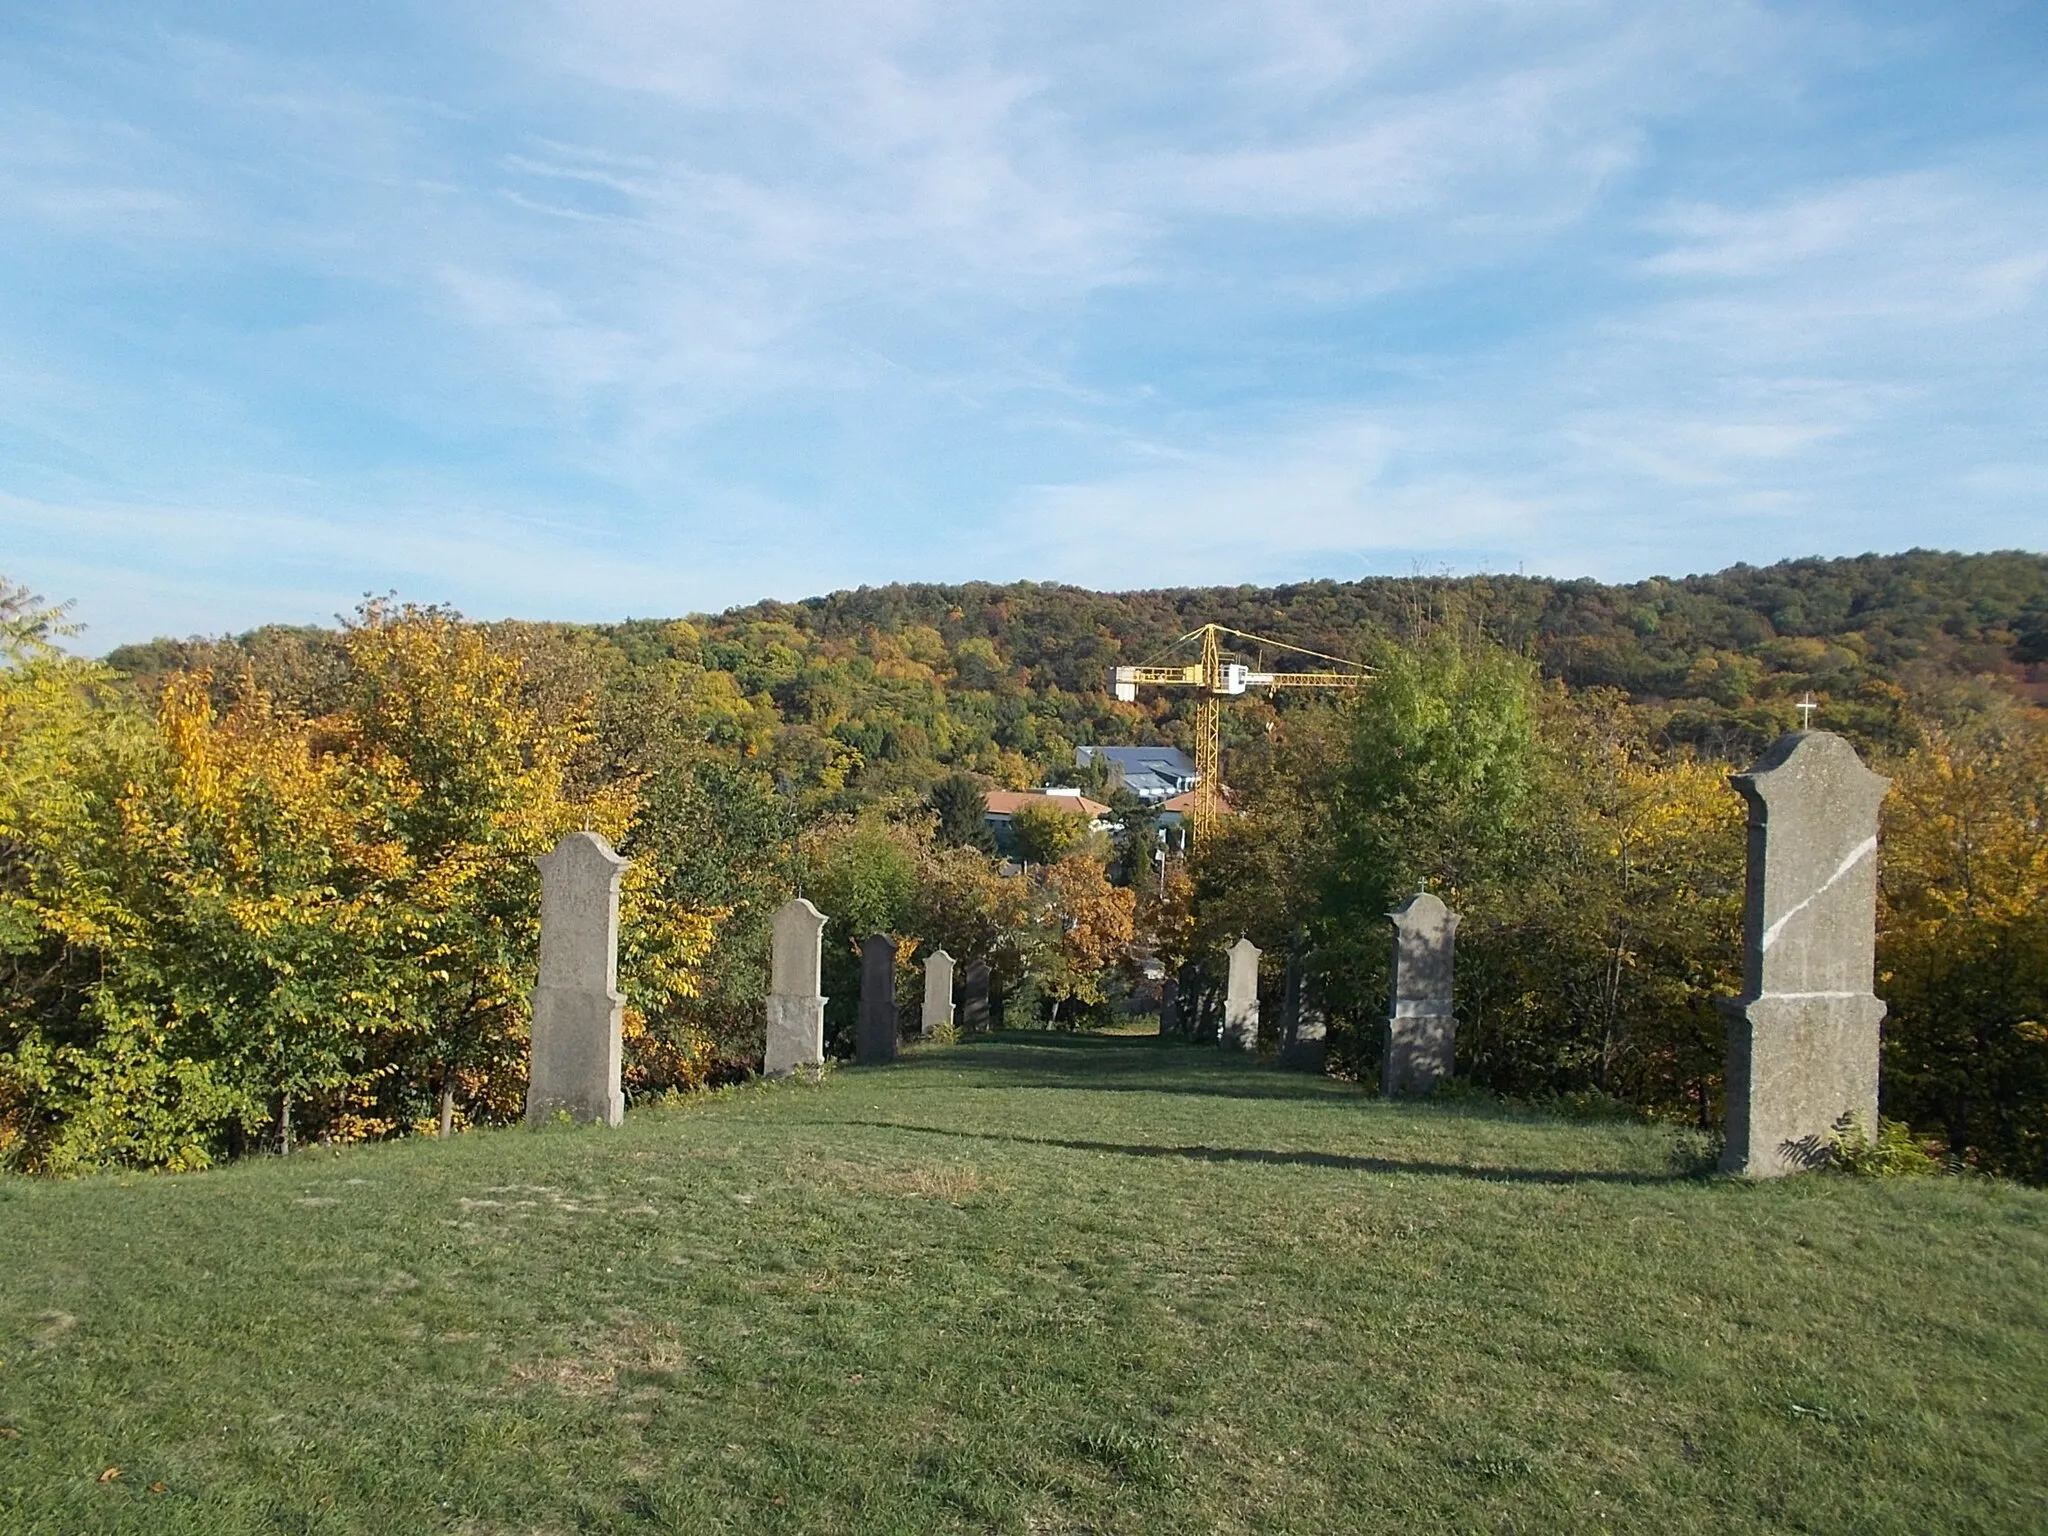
(1127, 1064)
(1337, 1160)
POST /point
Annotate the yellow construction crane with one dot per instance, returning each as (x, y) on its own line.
(1219, 679)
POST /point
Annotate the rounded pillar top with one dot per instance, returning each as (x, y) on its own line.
(1422, 912)
(1812, 766)
(582, 850)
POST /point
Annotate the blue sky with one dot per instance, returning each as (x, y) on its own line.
(598, 308)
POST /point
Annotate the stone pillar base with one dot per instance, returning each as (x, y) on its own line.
(1796, 1064)
(1241, 1030)
(1305, 1053)
(1416, 1052)
(796, 1034)
(577, 1051)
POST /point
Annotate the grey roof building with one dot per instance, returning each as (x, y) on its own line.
(1151, 773)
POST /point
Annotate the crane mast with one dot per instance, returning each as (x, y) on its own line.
(1218, 679)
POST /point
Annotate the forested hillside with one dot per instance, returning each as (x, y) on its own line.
(862, 692)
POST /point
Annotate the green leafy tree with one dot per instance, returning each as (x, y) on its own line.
(1043, 835)
(961, 805)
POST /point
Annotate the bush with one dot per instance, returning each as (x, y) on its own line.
(1891, 1154)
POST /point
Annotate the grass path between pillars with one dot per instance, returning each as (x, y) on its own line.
(1029, 1284)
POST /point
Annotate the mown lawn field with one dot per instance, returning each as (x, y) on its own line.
(1029, 1284)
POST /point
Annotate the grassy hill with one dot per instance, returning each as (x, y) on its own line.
(1031, 1284)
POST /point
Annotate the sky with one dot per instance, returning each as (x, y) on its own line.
(591, 309)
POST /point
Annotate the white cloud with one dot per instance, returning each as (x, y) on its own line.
(604, 304)
(1328, 490)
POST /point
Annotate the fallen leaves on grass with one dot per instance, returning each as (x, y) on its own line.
(596, 1372)
(110, 1474)
(951, 1182)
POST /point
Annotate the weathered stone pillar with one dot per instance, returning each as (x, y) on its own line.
(974, 996)
(1420, 1028)
(577, 1008)
(1196, 1019)
(796, 1005)
(1169, 1007)
(1303, 1024)
(938, 994)
(1803, 1036)
(875, 1038)
(1241, 997)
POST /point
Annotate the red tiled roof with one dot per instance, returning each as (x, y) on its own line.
(1185, 804)
(1008, 802)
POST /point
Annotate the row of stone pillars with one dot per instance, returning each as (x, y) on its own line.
(577, 1057)
(1802, 1035)
(796, 999)
(1419, 1031)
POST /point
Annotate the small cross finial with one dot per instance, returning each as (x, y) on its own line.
(1806, 707)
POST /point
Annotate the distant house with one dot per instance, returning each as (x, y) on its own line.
(1152, 774)
(1178, 814)
(1005, 803)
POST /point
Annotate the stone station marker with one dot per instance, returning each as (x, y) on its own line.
(1803, 1036)
(974, 996)
(796, 1005)
(1241, 997)
(1304, 1027)
(875, 1036)
(1192, 1007)
(577, 1009)
(1420, 1028)
(938, 994)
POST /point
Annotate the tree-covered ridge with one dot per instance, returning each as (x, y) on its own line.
(860, 693)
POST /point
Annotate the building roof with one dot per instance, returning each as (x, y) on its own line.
(1185, 804)
(1169, 761)
(1150, 773)
(1007, 802)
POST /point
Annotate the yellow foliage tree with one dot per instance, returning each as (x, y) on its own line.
(224, 917)
(1963, 941)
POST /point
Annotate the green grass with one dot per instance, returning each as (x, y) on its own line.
(1026, 1285)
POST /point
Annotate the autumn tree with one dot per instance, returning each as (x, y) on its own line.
(1963, 942)
(1044, 835)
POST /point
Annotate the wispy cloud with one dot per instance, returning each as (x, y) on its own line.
(581, 308)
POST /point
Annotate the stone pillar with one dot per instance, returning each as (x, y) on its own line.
(974, 996)
(875, 1038)
(938, 994)
(1803, 1036)
(1303, 1024)
(576, 1006)
(1241, 997)
(1169, 1007)
(1420, 1029)
(796, 1004)
(1195, 1017)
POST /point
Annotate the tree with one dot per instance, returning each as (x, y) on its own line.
(1043, 835)
(1078, 932)
(1963, 942)
(1136, 838)
(470, 781)
(962, 807)
(1430, 783)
